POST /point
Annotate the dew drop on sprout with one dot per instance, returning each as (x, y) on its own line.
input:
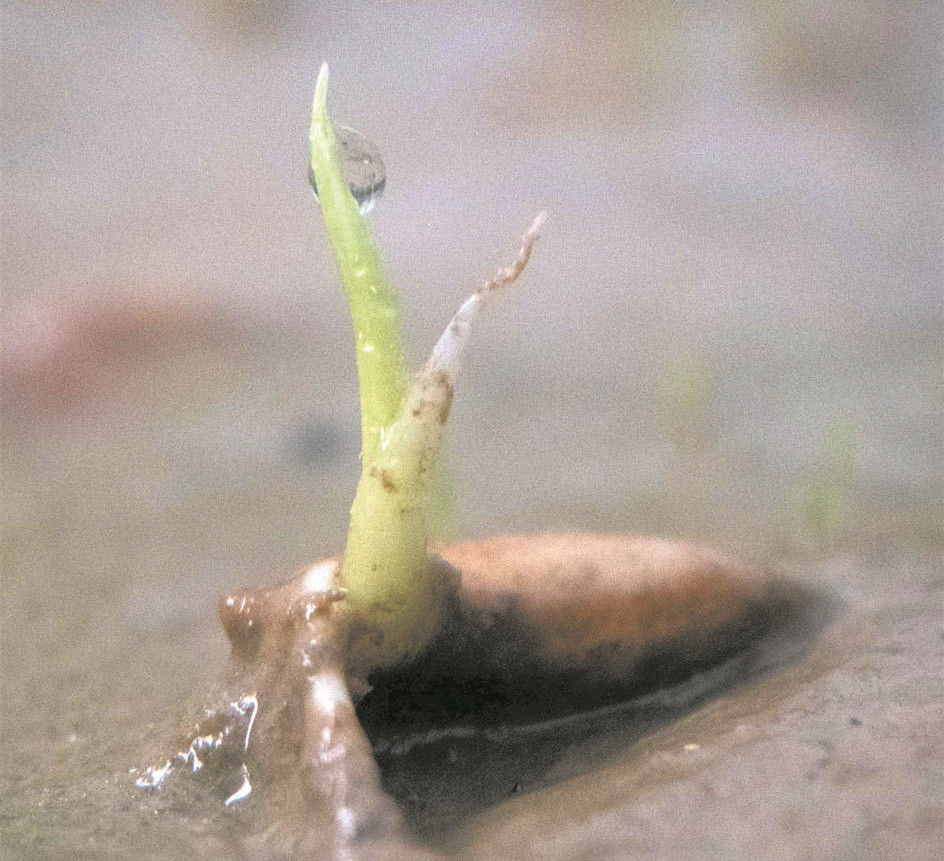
(363, 167)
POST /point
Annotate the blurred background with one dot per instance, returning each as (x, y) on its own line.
(730, 330)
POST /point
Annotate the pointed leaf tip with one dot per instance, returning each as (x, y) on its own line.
(319, 103)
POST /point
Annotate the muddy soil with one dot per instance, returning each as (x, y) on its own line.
(838, 755)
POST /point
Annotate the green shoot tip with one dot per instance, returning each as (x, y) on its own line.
(318, 106)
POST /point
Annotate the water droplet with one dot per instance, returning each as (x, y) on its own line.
(363, 167)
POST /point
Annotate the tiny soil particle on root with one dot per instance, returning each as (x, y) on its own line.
(538, 624)
(386, 479)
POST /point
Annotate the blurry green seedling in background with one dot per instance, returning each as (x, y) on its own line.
(825, 494)
(686, 393)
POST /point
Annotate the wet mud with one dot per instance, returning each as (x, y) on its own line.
(451, 747)
(551, 641)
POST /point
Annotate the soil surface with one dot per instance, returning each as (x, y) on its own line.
(730, 333)
(838, 755)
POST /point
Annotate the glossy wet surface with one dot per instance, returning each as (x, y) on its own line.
(448, 752)
(730, 332)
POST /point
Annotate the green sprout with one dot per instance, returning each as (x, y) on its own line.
(825, 495)
(397, 598)
(686, 403)
(374, 308)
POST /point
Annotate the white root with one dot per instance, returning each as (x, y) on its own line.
(447, 354)
(426, 406)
